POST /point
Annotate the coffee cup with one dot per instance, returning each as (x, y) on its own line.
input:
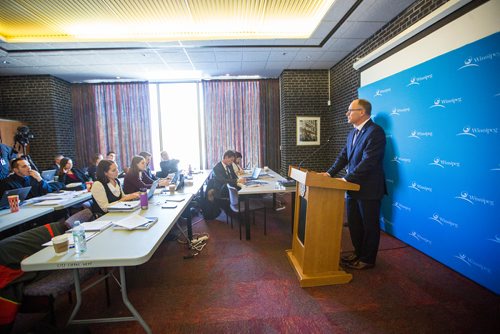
(266, 169)
(89, 185)
(171, 188)
(60, 243)
(13, 203)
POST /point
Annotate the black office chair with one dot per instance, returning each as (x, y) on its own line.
(238, 207)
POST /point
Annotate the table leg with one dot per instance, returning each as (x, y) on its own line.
(293, 210)
(247, 218)
(123, 285)
(78, 293)
(129, 305)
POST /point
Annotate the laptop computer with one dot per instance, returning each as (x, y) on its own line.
(255, 174)
(22, 192)
(151, 191)
(48, 175)
(178, 180)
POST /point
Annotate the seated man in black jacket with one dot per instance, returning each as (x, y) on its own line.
(223, 173)
(24, 176)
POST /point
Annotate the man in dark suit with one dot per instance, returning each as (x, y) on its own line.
(223, 173)
(148, 172)
(24, 176)
(363, 155)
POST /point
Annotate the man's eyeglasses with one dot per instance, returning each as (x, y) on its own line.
(356, 109)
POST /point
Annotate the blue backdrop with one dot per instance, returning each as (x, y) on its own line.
(442, 159)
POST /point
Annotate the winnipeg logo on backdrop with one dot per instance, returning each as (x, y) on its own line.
(398, 111)
(400, 206)
(441, 221)
(415, 81)
(381, 92)
(470, 262)
(441, 103)
(495, 239)
(418, 187)
(442, 163)
(473, 61)
(472, 199)
(400, 160)
(473, 132)
(419, 134)
(419, 237)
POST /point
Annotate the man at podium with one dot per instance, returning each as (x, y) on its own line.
(363, 155)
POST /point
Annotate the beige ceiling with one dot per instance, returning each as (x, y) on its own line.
(48, 28)
(152, 20)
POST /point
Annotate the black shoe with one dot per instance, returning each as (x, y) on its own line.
(349, 258)
(360, 265)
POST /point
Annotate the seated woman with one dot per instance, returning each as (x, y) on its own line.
(237, 163)
(167, 165)
(91, 171)
(107, 189)
(67, 174)
(136, 179)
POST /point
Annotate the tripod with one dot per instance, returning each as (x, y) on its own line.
(27, 157)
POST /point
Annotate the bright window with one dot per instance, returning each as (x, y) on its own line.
(175, 119)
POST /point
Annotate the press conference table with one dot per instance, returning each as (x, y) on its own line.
(272, 186)
(32, 211)
(118, 248)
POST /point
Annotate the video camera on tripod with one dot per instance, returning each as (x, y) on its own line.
(23, 137)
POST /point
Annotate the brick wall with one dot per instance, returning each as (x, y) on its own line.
(305, 93)
(302, 93)
(44, 104)
(345, 81)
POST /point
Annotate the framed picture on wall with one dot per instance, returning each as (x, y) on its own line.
(308, 130)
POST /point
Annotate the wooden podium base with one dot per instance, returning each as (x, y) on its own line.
(334, 277)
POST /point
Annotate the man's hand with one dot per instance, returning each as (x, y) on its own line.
(325, 174)
(34, 174)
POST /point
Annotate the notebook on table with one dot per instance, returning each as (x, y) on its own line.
(21, 192)
(124, 206)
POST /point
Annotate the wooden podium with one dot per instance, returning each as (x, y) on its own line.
(317, 228)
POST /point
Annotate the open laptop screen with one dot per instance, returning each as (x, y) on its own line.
(22, 192)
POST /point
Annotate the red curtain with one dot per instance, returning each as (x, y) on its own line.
(111, 117)
(242, 115)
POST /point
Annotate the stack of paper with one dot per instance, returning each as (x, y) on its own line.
(124, 206)
(132, 221)
(98, 225)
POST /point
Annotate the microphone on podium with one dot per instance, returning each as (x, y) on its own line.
(315, 151)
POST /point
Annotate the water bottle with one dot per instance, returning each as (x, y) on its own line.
(143, 198)
(79, 238)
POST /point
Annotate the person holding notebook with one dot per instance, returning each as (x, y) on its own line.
(23, 176)
(107, 190)
(136, 178)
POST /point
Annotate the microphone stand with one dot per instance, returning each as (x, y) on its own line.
(315, 151)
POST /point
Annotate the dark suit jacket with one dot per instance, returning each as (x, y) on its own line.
(219, 179)
(15, 182)
(364, 161)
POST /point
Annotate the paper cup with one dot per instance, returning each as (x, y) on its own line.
(171, 188)
(266, 168)
(60, 243)
(13, 203)
(89, 185)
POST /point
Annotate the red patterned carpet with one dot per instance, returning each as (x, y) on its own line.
(236, 286)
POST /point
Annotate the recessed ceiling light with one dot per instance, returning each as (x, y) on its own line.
(118, 77)
(5, 62)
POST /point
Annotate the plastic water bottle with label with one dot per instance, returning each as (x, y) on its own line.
(79, 238)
